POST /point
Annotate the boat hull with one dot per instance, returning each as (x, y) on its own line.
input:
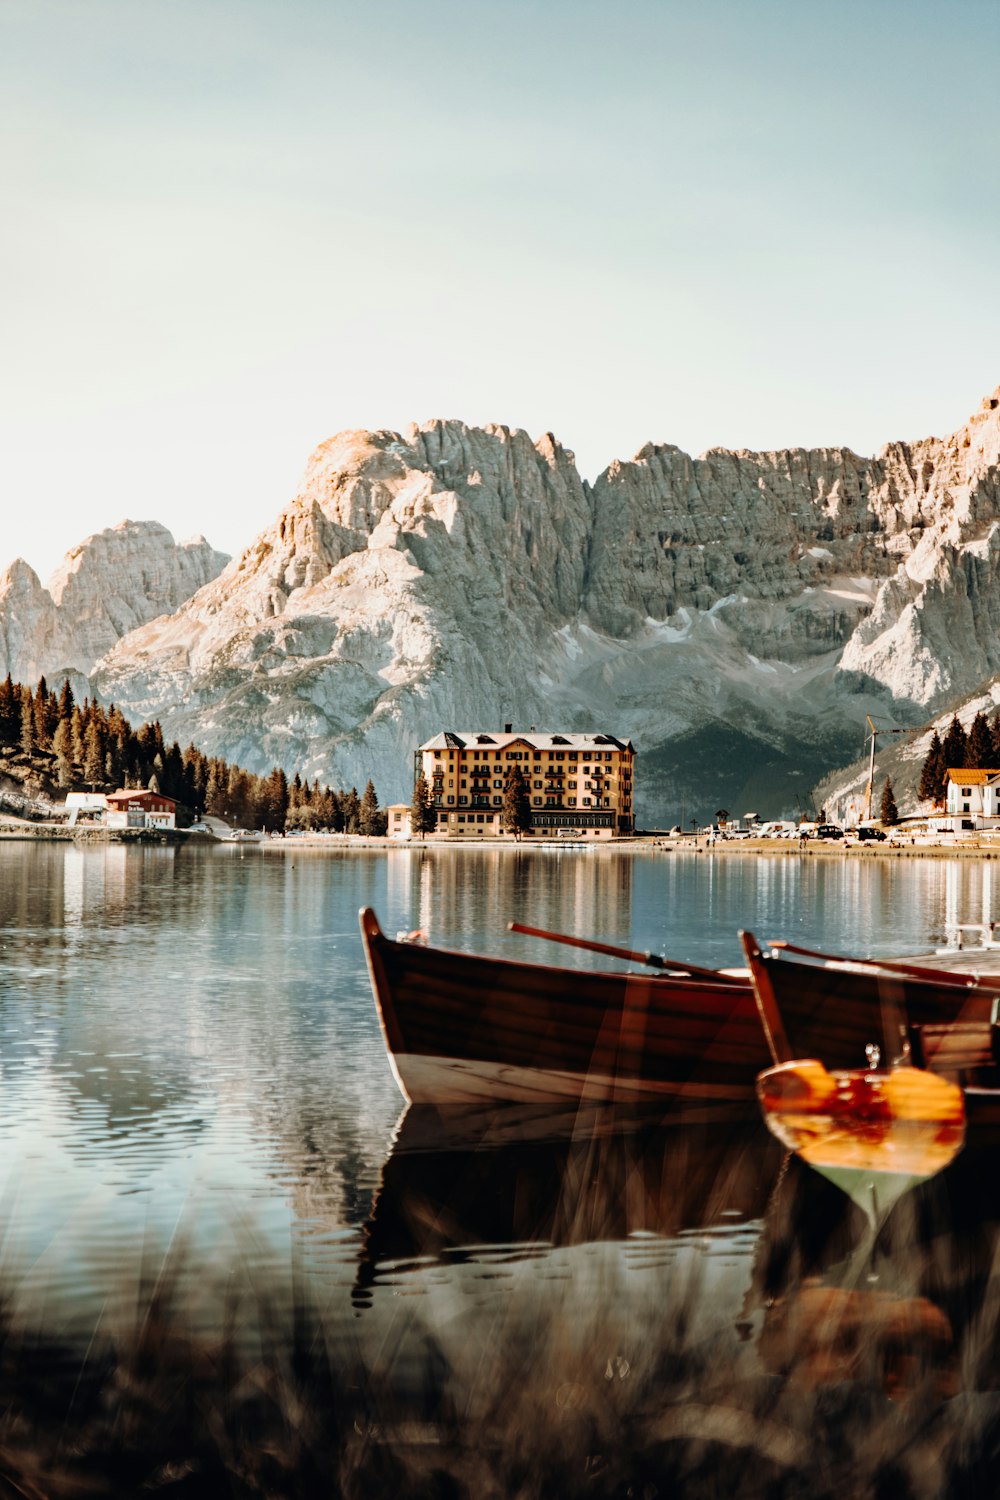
(449, 1080)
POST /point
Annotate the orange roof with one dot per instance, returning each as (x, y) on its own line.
(971, 777)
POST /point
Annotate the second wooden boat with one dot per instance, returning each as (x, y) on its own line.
(947, 1023)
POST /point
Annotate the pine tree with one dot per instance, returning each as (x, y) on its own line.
(932, 776)
(955, 746)
(10, 712)
(423, 818)
(890, 813)
(27, 723)
(44, 716)
(370, 820)
(979, 751)
(215, 790)
(66, 700)
(62, 744)
(93, 755)
(79, 729)
(238, 797)
(516, 811)
(352, 811)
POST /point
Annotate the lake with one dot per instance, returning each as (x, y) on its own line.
(197, 1108)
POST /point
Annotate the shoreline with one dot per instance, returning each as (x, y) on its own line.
(654, 844)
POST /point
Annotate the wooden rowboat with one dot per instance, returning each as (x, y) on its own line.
(460, 1027)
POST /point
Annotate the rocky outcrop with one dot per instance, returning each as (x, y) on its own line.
(106, 587)
(454, 574)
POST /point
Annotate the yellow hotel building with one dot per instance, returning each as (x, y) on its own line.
(576, 782)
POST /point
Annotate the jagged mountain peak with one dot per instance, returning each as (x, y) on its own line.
(106, 586)
(19, 575)
(455, 572)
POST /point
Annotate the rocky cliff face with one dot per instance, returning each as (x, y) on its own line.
(107, 586)
(736, 614)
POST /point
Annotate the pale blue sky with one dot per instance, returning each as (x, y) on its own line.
(232, 228)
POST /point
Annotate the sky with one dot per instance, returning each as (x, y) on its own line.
(233, 228)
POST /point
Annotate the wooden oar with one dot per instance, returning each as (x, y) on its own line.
(897, 966)
(652, 960)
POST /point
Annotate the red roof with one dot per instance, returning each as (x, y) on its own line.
(140, 794)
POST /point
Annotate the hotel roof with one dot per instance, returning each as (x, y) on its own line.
(538, 740)
(968, 776)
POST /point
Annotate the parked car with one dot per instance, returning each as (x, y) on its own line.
(829, 831)
(869, 835)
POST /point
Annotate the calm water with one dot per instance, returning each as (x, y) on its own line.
(193, 1077)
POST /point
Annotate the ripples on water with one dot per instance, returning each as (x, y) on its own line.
(195, 1095)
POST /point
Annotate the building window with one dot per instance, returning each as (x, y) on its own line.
(536, 801)
(450, 801)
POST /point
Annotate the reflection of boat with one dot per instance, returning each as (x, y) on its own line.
(521, 1177)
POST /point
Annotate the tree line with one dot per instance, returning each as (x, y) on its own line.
(978, 749)
(86, 747)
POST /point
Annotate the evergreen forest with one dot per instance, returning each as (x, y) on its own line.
(51, 745)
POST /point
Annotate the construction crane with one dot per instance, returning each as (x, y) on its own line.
(874, 732)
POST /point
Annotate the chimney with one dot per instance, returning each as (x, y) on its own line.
(508, 729)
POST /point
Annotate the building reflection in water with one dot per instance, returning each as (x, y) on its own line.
(452, 900)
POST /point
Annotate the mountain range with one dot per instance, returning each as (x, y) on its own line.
(736, 615)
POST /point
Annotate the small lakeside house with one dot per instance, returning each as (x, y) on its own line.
(973, 798)
(140, 808)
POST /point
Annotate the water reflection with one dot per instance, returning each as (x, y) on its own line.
(189, 1055)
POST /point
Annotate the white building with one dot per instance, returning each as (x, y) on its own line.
(90, 805)
(398, 815)
(973, 798)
